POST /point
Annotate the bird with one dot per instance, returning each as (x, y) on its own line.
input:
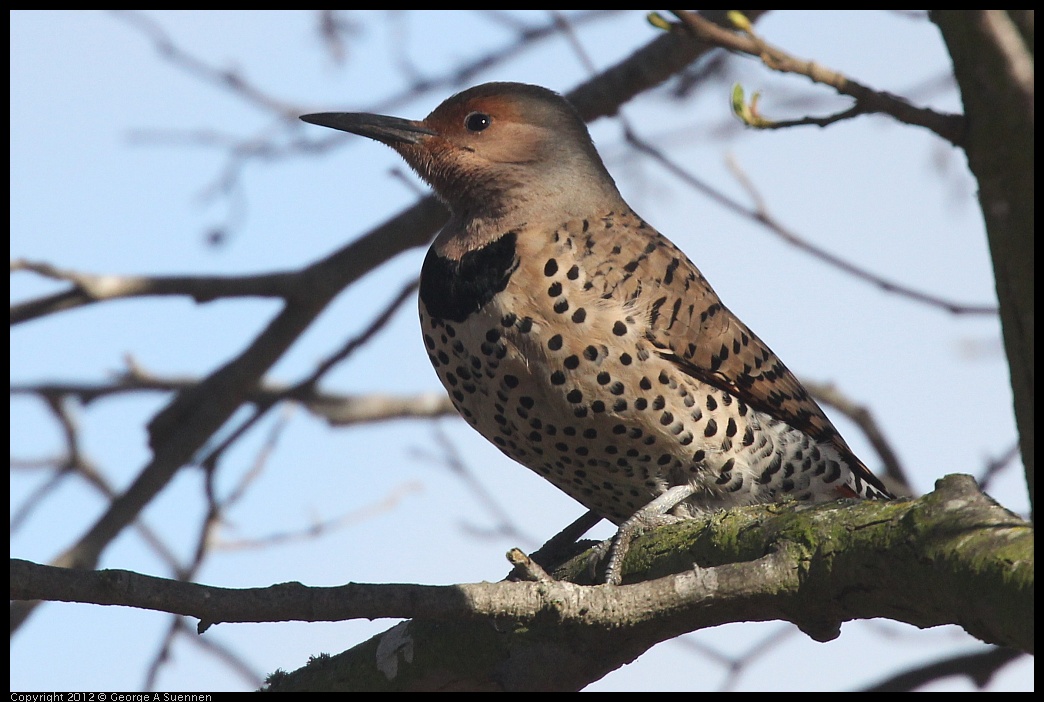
(584, 344)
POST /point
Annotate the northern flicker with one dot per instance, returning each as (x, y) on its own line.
(583, 343)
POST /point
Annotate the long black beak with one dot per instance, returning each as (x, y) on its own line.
(387, 130)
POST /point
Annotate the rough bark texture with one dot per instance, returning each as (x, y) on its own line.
(951, 557)
(992, 52)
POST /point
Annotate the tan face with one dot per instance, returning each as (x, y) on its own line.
(494, 129)
(529, 143)
(501, 152)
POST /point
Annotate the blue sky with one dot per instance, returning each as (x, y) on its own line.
(90, 192)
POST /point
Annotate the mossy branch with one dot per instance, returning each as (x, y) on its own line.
(951, 557)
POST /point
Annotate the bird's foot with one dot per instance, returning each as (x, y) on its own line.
(654, 514)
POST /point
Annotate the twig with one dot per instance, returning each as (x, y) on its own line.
(222, 78)
(760, 215)
(335, 408)
(995, 465)
(75, 463)
(332, 26)
(828, 394)
(451, 459)
(737, 665)
(948, 126)
(325, 526)
(241, 151)
(89, 288)
(565, 25)
(979, 667)
(309, 383)
(528, 569)
(218, 650)
(564, 543)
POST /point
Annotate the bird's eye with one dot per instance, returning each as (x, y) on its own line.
(477, 121)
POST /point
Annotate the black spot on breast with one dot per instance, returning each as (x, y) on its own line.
(671, 267)
(748, 436)
(456, 289)
(655, 311)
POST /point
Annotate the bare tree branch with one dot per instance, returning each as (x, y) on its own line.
(89, 288)
(896, 476)
(450, 458)
(553, 654)
(324, 526)
(337, 409)
(993, 62)
(761, 215)
(949, 127)
(979, 667)
(241, 151)
(926, 562)
(221, 78)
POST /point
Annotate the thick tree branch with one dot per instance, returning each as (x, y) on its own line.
(912, 560)
(993, 65)
(952, 557)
